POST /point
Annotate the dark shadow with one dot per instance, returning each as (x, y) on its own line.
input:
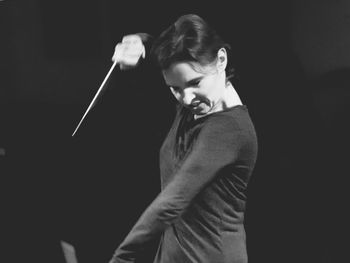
(329, 191)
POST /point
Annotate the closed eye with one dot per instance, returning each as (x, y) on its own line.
(194, 82)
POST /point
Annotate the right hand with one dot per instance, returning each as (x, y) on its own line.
(128, 52)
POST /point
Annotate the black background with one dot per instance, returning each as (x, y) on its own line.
(293, 62)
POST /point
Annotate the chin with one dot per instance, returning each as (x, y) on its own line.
(200, 112)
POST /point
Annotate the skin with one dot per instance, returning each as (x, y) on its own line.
(202, 88)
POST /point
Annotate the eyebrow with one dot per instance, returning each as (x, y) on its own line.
(188, 83)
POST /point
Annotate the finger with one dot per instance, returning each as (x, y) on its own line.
(124, 54)
(118, 52)
(130, 61)
(132, 39)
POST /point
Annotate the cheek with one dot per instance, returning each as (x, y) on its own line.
(210, 90)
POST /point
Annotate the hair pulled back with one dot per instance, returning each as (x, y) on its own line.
(189, 39)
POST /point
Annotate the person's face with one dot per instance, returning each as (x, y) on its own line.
(199, 88)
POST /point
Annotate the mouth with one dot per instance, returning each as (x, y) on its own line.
(195, 107)
(195, 104)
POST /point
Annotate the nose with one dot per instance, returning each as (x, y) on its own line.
(187, 97)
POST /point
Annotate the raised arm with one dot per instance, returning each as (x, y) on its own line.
(129, 51)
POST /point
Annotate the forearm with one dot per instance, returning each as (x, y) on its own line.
(162, 212)
(212, 152)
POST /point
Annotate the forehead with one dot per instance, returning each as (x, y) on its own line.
(182, 72)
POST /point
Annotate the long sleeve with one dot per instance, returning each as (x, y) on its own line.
(216, 146)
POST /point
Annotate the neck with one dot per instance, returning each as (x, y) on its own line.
(230, 98)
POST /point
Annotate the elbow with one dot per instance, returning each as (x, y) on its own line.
(170, 209)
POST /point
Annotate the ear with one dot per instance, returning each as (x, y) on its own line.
(221, 59)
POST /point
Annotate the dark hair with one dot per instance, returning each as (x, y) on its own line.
(190, 38)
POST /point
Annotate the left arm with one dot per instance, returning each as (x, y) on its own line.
(217, 146)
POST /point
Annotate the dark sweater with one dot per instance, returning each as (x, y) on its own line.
(205, 166)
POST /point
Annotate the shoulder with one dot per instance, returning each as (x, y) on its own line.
(236, 118)
(234, 125)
